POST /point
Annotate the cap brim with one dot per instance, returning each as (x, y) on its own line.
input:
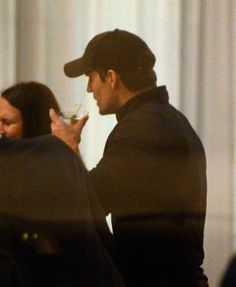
(77, 67)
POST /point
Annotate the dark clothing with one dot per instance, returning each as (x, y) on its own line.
(47, 234)
(152, 178)
(229, 277)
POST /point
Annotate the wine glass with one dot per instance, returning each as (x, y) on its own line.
(73, 116)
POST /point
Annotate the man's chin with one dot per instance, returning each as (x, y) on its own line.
(107, 111)
(104, 112)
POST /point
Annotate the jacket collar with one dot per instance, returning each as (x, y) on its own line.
(157, 94)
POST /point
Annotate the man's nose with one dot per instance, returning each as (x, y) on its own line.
(89, 88)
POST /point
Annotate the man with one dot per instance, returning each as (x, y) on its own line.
(152, 176)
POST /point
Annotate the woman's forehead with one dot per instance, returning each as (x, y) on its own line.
(6, 109)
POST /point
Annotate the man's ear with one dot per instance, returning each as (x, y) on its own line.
(113, 78)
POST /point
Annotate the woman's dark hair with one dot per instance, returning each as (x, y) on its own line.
(34, 101)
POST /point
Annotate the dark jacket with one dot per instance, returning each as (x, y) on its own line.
(229, 276)
(152, 178)
(47, 234)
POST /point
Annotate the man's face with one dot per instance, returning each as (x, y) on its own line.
(103, 93)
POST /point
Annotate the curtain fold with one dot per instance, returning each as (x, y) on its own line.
(7, 43)
(233, 85)
(207, 99)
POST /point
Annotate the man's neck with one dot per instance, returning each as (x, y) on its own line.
(127, 95)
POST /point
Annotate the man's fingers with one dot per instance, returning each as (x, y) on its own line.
(78, 126)
(82, 121)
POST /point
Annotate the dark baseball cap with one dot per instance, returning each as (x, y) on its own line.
(119, 50)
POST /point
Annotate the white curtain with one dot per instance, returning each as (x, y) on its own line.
(207, 97)
(194, 42)
(7, 43)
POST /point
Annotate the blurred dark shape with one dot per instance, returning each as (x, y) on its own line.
(48, 236)
(229, 277)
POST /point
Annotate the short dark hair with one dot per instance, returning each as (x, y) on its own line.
(122, 51)
(133, 81)
(34, 100)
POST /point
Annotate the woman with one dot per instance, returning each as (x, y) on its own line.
(52, 227)
(24, 110)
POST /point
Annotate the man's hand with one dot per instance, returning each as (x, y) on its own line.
(70, 134)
